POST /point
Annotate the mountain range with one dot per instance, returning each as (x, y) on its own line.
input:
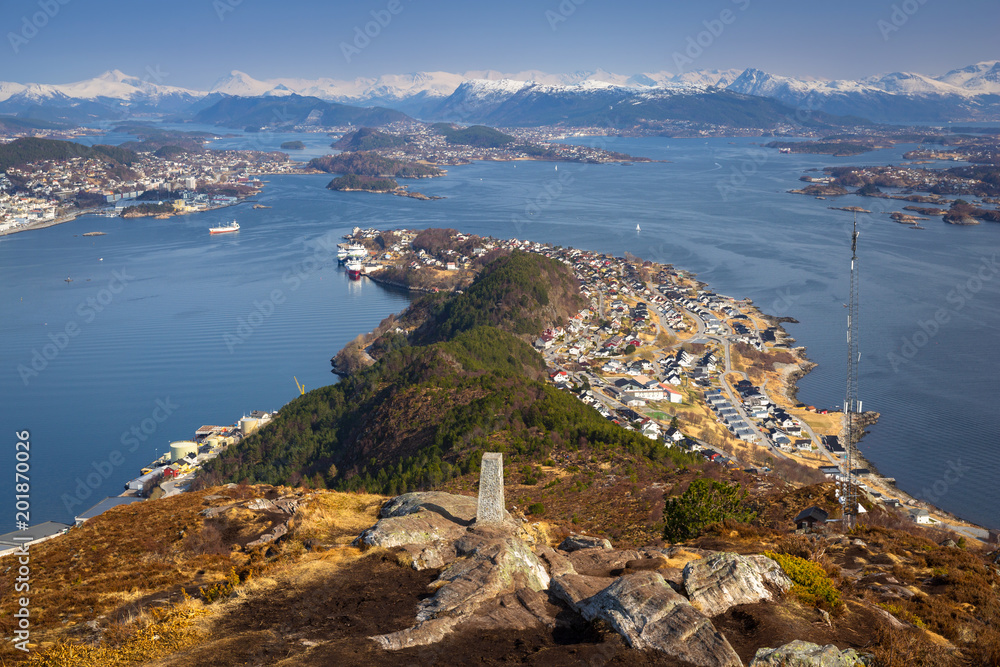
(971, 92)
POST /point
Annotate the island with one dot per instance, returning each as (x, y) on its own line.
(292, 146)
(359, 183)
(971, 190)
(835, 148)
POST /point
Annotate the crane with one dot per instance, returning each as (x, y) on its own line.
(302, 387)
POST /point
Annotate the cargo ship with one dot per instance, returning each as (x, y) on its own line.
(231, 227)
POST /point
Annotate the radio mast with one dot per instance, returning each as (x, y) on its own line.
(847, 491)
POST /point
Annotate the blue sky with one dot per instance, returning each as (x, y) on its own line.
(194, 42)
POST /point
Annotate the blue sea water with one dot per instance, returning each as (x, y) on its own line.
(212, 327)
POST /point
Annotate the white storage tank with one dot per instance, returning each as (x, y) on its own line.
(181, 448)
(248, 425)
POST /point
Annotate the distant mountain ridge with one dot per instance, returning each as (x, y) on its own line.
(516, 103)
(971, 92)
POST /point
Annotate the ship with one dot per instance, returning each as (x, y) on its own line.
(354, 269)
(231, 227)
(351, 251)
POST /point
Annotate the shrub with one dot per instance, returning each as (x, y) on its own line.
(536, 509)
(222, 589)
(812, 585)
(705, 502)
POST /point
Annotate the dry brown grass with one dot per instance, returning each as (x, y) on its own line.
(336, 518)
(119, 568)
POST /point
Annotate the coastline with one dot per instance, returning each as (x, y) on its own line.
(96, 211)
(31, 226)
(786, 394)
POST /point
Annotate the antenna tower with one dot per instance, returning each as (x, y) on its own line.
(847, 491)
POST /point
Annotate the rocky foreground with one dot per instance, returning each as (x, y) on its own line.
(502, 576)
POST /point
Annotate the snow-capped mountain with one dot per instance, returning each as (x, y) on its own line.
(982, 78)
(599, 103)
(110, 95)
(113, 84)
(970, 92)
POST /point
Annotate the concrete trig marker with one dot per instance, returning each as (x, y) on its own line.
(491, 507)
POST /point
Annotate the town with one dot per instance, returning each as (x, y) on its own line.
(658, 352)
(50, 191)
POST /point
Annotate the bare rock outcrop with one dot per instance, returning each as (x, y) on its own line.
(577, 542)
(651, 615)
(799, 653)
(425, 524)
(724, 580)
(455, 508)
(575, 589)
(489, 568)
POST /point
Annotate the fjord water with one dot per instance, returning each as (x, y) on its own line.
(717, 208)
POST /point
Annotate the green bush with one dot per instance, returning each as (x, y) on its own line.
(536, 509)
(812, 585)
(705, 502)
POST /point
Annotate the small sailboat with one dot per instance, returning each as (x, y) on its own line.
(557, 167)
(637, 228)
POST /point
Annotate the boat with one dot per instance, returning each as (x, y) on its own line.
(637, 227)
(351, 251)
(354, 269)
(231, 227)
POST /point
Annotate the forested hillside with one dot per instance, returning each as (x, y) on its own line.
(463, 383)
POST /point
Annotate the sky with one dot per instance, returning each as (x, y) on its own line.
(192, 43)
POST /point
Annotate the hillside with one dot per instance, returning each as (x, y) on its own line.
(353, 182)
(525, 105)
(24, 151)
(291, 110)
(479, 136)
(367, 163)
(613, 549)
(434, 400)
(187, 581)
(367, 139)
(12, 124)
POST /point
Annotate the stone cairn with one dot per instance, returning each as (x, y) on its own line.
(491, 507)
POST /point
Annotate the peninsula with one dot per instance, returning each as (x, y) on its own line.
(629, 465)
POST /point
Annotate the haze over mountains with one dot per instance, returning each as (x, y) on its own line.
(972, 92)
